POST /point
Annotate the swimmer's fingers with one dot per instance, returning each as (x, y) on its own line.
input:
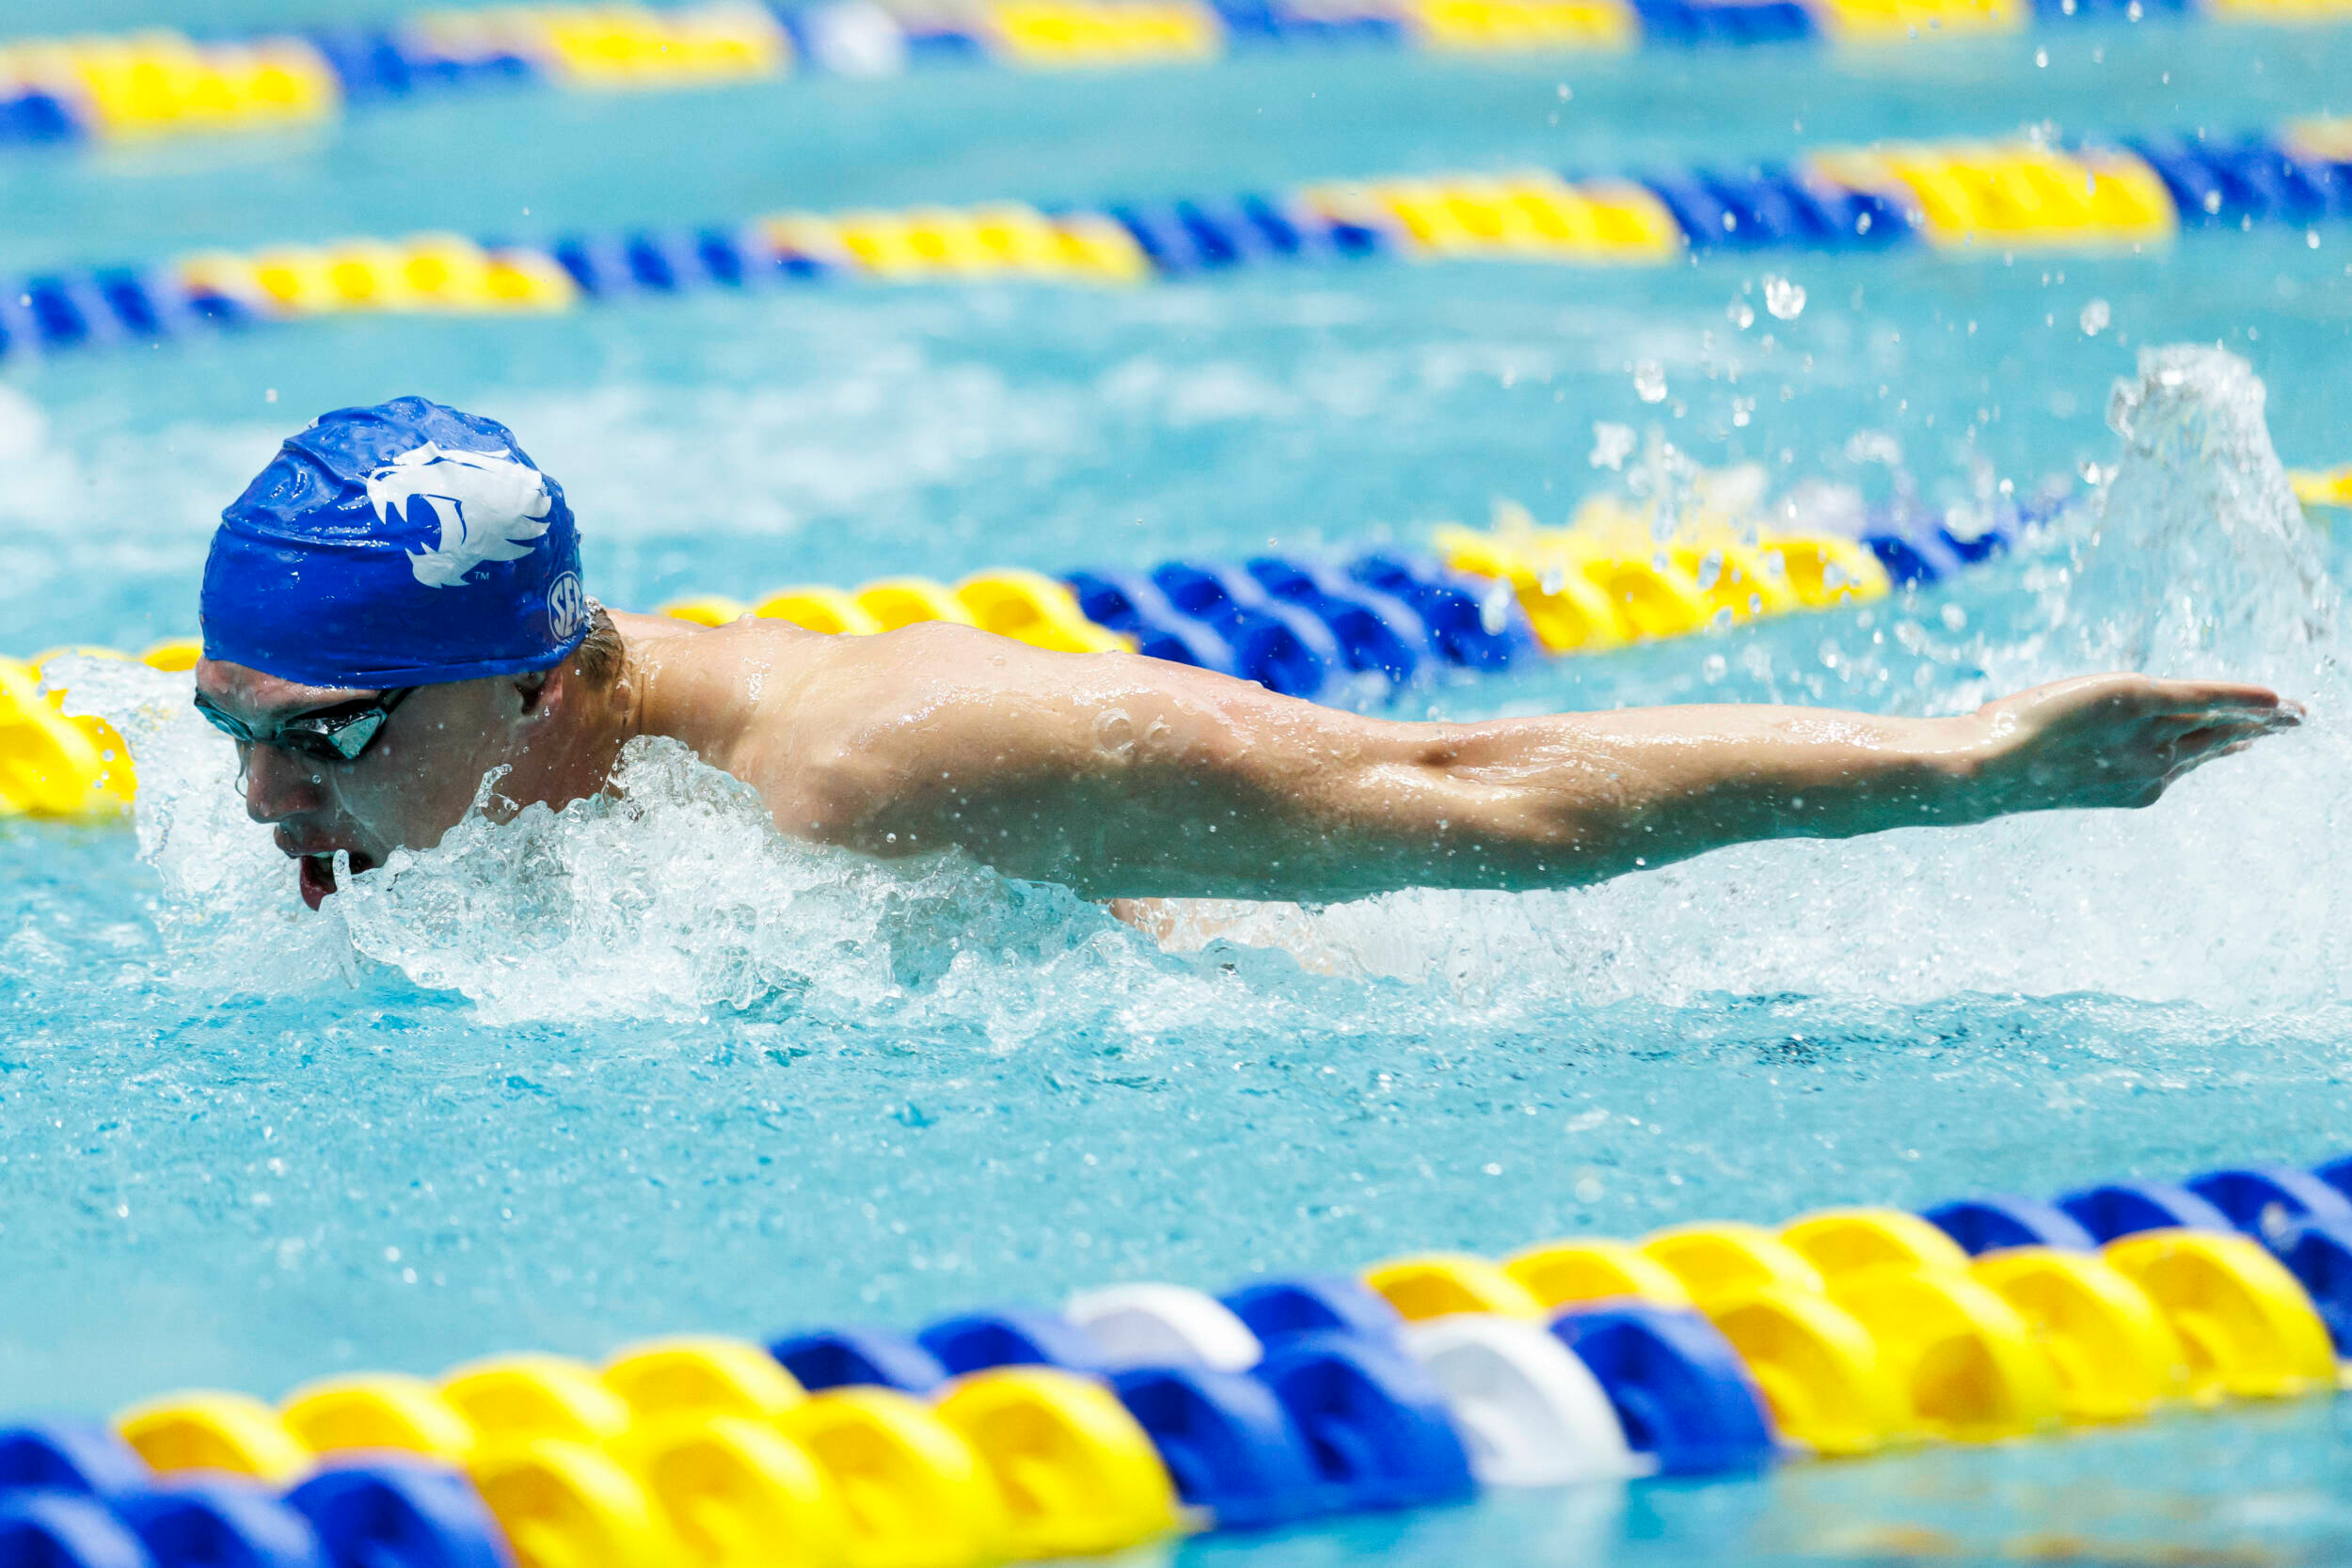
(2204, 704)
(2267, 720)
(2200, 746)
(2203, 729)
(2222, 699)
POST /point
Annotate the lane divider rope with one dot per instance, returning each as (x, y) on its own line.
(1989, 197)
(160, 82)
(1142, 1411)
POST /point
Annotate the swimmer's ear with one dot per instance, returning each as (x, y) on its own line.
(539, 692)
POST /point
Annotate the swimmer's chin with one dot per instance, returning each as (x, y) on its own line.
(315, 875)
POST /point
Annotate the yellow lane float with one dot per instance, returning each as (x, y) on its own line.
(1076, 1474)
(1440, 1284)
(1715, 1259)
(1079, 34)
(205, 1429)
(1534, 216)
(1561, 1274)
(2332, 489)
(2244, 1323)
(518, 1398)
(701, 1375)
(1965, 1360)
(377, 1410)
(2013, 194)
(2115, 1356)
(915, 1494)
(1819, 1367)
(1840, 1242)
(564, 1504)
(819, 608)
(736, 1493)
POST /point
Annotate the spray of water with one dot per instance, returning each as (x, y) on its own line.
(672, 895)
(2202, 563)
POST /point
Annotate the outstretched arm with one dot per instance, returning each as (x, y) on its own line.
(1131, 777)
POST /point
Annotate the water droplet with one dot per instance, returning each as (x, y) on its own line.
(1742, 314)
(1782, 298)
(1613, 443)
(2095, 318)
(1649, 381)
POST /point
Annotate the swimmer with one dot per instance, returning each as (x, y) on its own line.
(393, 610)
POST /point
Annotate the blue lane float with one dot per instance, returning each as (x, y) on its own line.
(850, 1357)
(228, 1523)
(1276, 1310)
(68, 1456)
(60, 1529)
(1376, 1428)
(1010, 1336)
(1298, 627)
(1982, 1224)
(1680, 1391)
(2319, 1254)
(400, 1515)
(2128, 1207)
(1229, 1445)
(2265, 1202)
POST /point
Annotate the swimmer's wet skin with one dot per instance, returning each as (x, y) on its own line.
(406, 571)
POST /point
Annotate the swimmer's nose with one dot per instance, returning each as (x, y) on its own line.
(279, 783)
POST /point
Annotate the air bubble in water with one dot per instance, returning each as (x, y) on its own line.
(1782, 298)
(1649, 381)
(2095, 318)
(1742, 314)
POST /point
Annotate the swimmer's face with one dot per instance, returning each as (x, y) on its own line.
(415, 780)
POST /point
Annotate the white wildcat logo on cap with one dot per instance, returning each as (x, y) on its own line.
(490, 506)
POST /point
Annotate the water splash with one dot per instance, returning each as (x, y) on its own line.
(670, 896)
(2226, 892)
(2203, 563)
(673, 896)
(226, 906)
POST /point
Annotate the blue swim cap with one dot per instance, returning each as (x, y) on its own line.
(396, 545)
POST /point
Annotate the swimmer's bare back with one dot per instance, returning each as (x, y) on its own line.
(1127, 777)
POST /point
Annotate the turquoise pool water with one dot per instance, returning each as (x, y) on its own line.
(641, 1068)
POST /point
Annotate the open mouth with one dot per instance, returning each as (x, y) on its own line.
(317, 874)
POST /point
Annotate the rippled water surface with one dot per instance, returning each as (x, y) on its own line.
(640, 1067)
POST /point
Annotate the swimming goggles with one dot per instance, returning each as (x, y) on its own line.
(337, 734)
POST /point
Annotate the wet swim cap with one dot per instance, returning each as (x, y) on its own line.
(395, 545)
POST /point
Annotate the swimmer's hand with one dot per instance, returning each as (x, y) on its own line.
(2110, 740)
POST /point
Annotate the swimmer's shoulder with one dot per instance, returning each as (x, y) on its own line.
(750, 637)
